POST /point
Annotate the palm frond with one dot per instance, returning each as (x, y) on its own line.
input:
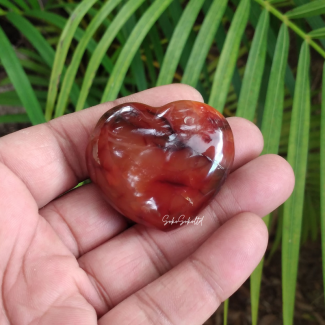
(293, 207)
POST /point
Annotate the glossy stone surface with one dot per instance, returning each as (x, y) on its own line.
(155, 165)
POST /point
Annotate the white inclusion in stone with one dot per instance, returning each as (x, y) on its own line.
(188, 127)
(149, 132)
(163, 112)
(126, 109)
(189, 124)
(95, 152)
(188, 120)
(218, 154)
(189, 200)
(133, 180)
(215, 165)
(120, 112)
(150, 205)
(118, 153)
(199, 145)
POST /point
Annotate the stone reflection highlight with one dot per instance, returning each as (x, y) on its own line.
(150, 162)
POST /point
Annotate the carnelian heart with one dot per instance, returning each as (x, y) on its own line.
(159, 164)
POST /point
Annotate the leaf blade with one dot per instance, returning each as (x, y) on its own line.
(317, 33)
(310, 9)
(254, 69)
(271, 130)
(228, 57)
(272, 119)
(20, 81)
(14, 118)
(34, 37)
(131, 46)
(22, 4)
(203, 42)
(78, 53)
(293, 207)
(177, 42)
(124, 14)
(61, 53)
(9, 5)
(322, 175)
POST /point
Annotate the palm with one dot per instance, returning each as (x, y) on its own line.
(74, 260)
(43, 283)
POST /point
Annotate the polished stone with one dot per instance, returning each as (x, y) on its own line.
(158, 164)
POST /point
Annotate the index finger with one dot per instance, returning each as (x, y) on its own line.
(50, 158)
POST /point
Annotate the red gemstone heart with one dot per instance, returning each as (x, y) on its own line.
(159, 164)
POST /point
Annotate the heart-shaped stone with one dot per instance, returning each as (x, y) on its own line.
(160, 166)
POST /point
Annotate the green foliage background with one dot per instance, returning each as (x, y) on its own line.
(77, 54)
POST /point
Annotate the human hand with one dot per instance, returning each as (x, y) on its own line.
(74, 260)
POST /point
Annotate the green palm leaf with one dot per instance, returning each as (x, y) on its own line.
(34, 36)
(293, 207)
(78, 53)
(11, 98)
(308, 10)
(178, 41)
(23, 5)
(315, 22)
(14, 118)
(61, 53)
(9, 5)
(228, 57)
(60, 22)
(203, 42)
(41, 45)
(271, 130)
(254, 70)
(317, 33)
(137, 66)
(156, 43)
(35, 4)
(322, 176)
(124, 14)
(272, 117)
(132, 45)
(225, 311)
(19, 80)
